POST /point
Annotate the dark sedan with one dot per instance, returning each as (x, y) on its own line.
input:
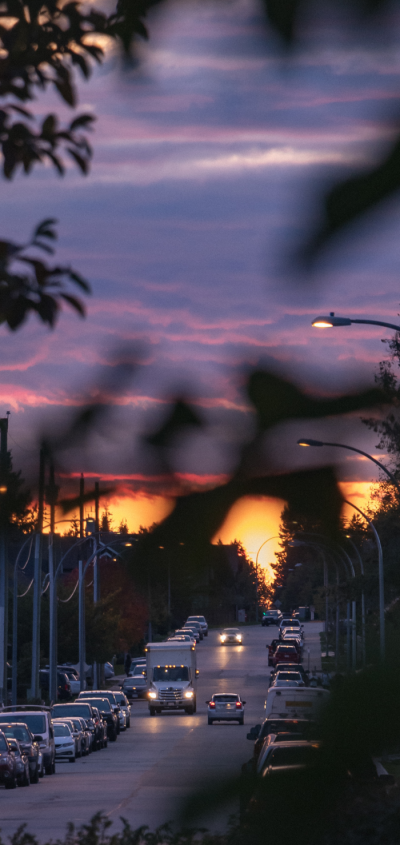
(21, 763)
(7, 764)
(21, 732)
(135, 687)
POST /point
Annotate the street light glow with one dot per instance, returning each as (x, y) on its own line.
(307, 441)
(320, 323)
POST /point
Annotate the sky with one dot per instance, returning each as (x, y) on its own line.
(210, 159)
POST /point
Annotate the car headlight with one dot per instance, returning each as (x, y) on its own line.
(238, 637)
(223, 638)
(152, 694)
(189, 694)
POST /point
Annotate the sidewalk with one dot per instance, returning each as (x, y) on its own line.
(312, 645)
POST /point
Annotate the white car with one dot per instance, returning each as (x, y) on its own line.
(288, 679)
(76, 733)
(225, 707)
(188, 635)
(230, 636)
(64, 741)
(194, 632)
(74, 679)
(123, 703)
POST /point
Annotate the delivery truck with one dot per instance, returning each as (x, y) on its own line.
(171, 676)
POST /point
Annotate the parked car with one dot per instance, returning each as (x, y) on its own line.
(289, 667)
(305, 728)
(135, 687)
(38, 719)
(197, 626)
(86, 737)
(113, 703)
(26, 741)
(21, 763)
(63, 685)
(185, 634)
(288, 679)
(74, 679)
(101, 729)
(76, 733)
(290, 622)
(230, 636)
(225, 707)
(64, 741)
(271, 617)
(286, 654)
(193, 631)
(138, 671)
(202, 621)
(107, 714)
(272, 646)
(123, 704)
(83, 710)
(7, 764)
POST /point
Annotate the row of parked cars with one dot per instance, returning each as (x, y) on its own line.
(34, 737)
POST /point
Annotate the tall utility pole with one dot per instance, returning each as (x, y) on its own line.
(37, 584)
(81, 501)
(52, 493)
(3, 561)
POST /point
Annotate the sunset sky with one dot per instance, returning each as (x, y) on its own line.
(209, 161)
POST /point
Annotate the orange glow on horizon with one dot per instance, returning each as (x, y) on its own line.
(252, 520)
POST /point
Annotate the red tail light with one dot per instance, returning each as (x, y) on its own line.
(212, 704)
(238, 704)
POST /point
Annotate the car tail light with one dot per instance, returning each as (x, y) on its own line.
(238, 704)
(212, 704)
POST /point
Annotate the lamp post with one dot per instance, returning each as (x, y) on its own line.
(381, 580)
(333, 322)
(308, 441)
(276, 537)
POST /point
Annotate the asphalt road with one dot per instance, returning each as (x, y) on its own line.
(160, 760)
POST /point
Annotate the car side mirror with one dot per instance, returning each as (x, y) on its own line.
(207, 702)
(243, 702)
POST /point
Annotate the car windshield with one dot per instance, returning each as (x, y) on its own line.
(170, 673)
(3, 744)
(100, 694)
(36, 723)
(231, 631)
(76, 724)
(225, 699)
(61, 730)
(139, 671)
(140, 681)
(19, 733)
(72, 710)
(275, 726)
(271, 613)
(283, 649)
(14, 746)
(300, 756)
(196, 619)
(102, 703)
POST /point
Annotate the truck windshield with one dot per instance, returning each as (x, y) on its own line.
(171, 673)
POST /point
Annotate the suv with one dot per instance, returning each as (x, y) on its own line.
(271, 617)
(38, 720)
(103, 693)
(202, 621)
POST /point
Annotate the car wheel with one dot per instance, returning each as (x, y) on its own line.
(11, 784)
(49, 769)
(189, 710)
(25, 781)
(72, 759)
(152, 711)
(35, 777)
(241, 721)
(53, 767)
(128, 724)
(210, 721)
(41, 772)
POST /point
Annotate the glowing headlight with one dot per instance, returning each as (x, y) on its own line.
(238, 637)
(152, 695)
(189, 694)
(223, 638)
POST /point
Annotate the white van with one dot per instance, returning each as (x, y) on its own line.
(295, 702)
(39, 722)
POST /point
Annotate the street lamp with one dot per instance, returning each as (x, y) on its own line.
(308, 441)
(276, 537)
(333, 322)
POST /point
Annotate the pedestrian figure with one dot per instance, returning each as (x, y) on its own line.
(128, 663)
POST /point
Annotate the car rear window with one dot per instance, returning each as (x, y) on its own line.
(225, 698)
(102, 703)
(71, 710)
(36, 723)
(300, 756)
(19, 733)
(275, 726)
